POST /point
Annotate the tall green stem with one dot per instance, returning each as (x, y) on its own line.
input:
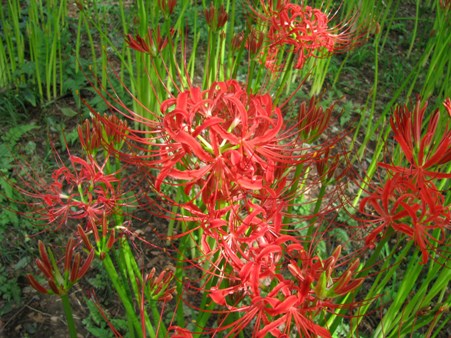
(133, 320)
(69, 316)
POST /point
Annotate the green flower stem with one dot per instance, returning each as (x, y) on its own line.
(288, 69)
(396, 311)
(180, 313)
(415, 29)
(370, 129)
(380, 282)
(133, 319)
(372, 167)
(319, 202)
(91, 42)
(133, 271)
(320, 71)
(69, 316)
(157, 314)
(294, 187)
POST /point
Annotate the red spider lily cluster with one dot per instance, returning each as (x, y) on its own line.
(236, 167)
(222, 141)
(410, 201)
(232, 151)
(279, 299)
(80, 191)
(305, 30)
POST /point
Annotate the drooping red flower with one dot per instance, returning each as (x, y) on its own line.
(423, 148)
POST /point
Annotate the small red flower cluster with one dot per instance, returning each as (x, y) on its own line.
(303, 27)
(410, 202)
(277, 283)
(305, 30)
(81, 191)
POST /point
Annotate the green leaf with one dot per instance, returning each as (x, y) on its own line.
(69, 112)
(14, 134)
(22, 263)
(30, 97)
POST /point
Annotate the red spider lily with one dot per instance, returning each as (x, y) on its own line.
(89, 137)
(303, 27)
(153, 44)
(313, 120)
(60, 283)
(154, 288)
(386, 204)
(108, 131)
(222, 139)
(307, 30)
(237, 41)
(216, 18)
(254, 41)
(424, 152)
(81, 191)
(281, 300)
(167, 6)
(402, 205)
(157, 287)
(104, 241)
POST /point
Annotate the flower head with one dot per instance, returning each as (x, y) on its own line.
(425, 150)
(60, 283)
(284, 288)
(306, 30)
(222, 140)
(79, 191)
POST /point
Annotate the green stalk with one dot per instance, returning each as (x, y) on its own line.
(415, 28)
(133, 271)
(372, 167)
(311, 227)
(288, 69)
(293, 189)
(379, 284)
(179, 277)
(69, 316)
(133, 320)
(91, 42)
(391, 317)
(370, 130)
(17, 47)
(320, 71)
(178, 198)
